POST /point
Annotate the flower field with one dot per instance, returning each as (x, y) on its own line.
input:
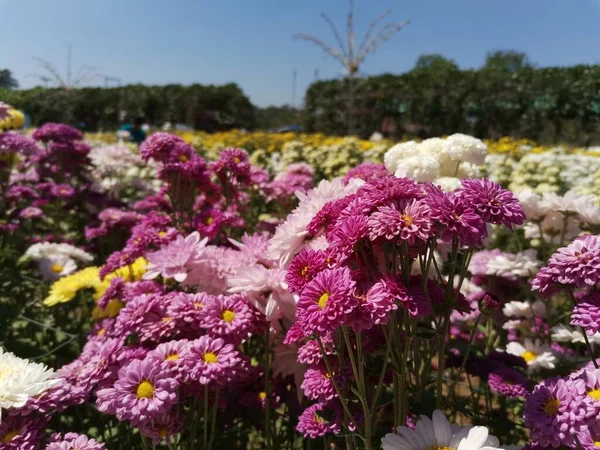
(261, 291)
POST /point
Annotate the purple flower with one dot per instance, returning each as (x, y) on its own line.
(159, 146)
(327, 301)
(317, 383)
(381, 191)
(346, 236)
(366, 171)
(493, 203)
(17, 143)
(173, 356)
(303, 269)
(163, 427)
(408, 223)
(586, 313)
(21, 432)
(57, 132)
(74, 441)
(176, 258)
(229, 317)
(213, 361)
(234, 160)
(555, 412)
(577, 266)
(31, 212)
(62, 191)
(591, 378)
(310, 353)
(143, 391)
(310, 424)
(509, 382)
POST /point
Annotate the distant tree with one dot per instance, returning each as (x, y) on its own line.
(277, 116)
(506, 61)
(7, 81)
(435, 62)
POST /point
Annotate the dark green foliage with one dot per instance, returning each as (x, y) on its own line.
(507, 97)
(7, 81)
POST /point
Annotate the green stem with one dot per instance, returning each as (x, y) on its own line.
(441, 361)
(267, 427)
(362, 387)
(465, 357)
(213, 419)
(205, 436)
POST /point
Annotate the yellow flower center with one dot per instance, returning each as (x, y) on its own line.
(173, 357)
(495, 202)
(304, 272)
(145, 390)
(209, 221)
(262, 395)
(183, 158)
(114, 306)
(162, 233)
(210, 358)
(318, 418)
(163, 432)
(595, 394)
(166, 319)
(101, 332)
(408, 221)
(228, 316)
(529, 356)
(597, 444)
(551, 406)
(9, 436)
(437, 447)
(323, 300)
(237, 160)
(56, 268)
(198, 305)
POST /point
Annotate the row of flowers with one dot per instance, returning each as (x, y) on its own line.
(214, 303)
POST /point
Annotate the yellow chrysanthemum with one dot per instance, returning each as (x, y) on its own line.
(133, 272)
(65, 289)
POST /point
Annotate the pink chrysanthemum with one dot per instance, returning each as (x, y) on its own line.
(409, 223)
(310, 352)
(188, 308)
(366, 171)
(377, 302)
(213, 361)
(586, 313)
(162, 427)
(21, 433)
(345, 237)
(312, 425)
(176, 259)
(143, 391)
(56, 132)
(317, 384)
(328, 215)
(327, 301)
(381, 191)
(303, 269)
(577, 265)
(555, 412)
(229, 317)
(509, 382)
(493, 203)
(74, 441)
(173, 356)
(159, 146)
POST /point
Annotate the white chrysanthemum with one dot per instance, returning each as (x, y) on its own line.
(50, 249)
(423, 168)
(447, 184)
(564, 204)
(21, 379)
(522, 264)
(588, 209)
(564, 333)
(524, 310)
(399, 151)
(461, 147)
(438, 434)
(531, 204)
(465, 170)
(55, 266)
(537, 354)
(289, 237)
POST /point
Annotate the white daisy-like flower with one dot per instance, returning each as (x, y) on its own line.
(531, 204)
(564, 333)
(438, 434)
(537, 354)
(516, 265)
(524, 310)
(50, 249)
(55, 266)
(21, 379)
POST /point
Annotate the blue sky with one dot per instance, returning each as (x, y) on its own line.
(250, 41)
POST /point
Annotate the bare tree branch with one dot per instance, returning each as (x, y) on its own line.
(49, 67)
(382, 36)
(370, 29)
(336, 54)
(336, 33)
(350, 30)
(84, 74)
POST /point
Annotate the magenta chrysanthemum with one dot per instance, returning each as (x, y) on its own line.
(345, 237)
(142, 392)
(163, 427)
(73, 441)
(213, 361)
(493, 203)
(509, 382)
(312, 425)
(586, 313)
(407, 223)
(555, 412)
(303, 269)
(229, 317)
(310, 352)
(21, 433)
(327, 301)
(577, 265)
(173, 356)
(366, 171)
(56, 132)
(159, 146)
(317, 384)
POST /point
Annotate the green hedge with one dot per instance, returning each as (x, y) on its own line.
(549, 105)
(207, 108)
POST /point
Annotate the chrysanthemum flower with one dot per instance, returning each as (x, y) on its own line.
(327, 301)
(173, 356)
(229, 317)
(310, 424)
(555, 412)
(53, 268)
(509, 382)
(318, 385)
(73, 441)
(437, 433)
(310, 352)
(577, 265)
(213, 361)
(143, 391)
(56, 132)
(159, 146)
(175, 259)
(345, 237)
(65, 289)
(366, 171)
(31, 212)
(22, 379)
(163, 427)
(303, 269)
(494, 204)
(586, 313)
(537, 354)
(407, 223)
(21, 432)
